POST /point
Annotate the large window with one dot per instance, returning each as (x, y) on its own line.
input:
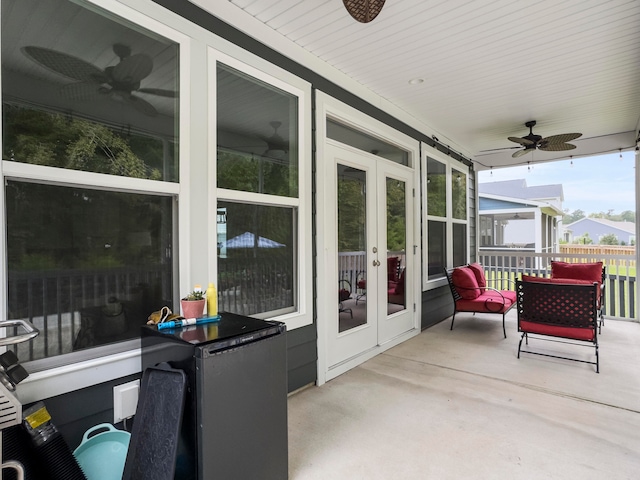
(258, 193)
(447, 217)
(89, 166)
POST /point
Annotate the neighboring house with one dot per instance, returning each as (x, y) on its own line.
(514, 215)
(625, 232)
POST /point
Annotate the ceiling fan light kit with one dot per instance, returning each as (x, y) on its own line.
(554, 143)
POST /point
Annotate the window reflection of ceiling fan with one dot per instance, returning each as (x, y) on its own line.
(554, 143)
(119, 81)
(272, 147)
(277, 147)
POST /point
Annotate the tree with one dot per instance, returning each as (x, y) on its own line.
(584, 239)
(609, 239)
(628, 216)
(52, 139)
(574, 216)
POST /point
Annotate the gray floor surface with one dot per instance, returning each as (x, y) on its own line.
(460, 404)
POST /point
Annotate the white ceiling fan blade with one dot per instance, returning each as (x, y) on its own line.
(522, 152)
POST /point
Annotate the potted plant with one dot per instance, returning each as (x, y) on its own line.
(193, 304)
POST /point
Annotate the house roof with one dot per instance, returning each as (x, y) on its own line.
(627, 227)
(519, 189)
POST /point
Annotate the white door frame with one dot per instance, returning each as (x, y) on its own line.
(329, 107)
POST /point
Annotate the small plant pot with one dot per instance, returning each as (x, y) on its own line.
(192, 308)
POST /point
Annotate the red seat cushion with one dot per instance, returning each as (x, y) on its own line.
(509, 295)
(586, 334)
(577, 271)
(479, 273)
(465, 283)
(488, 302)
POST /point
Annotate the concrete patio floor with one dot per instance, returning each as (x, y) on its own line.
(459, 404)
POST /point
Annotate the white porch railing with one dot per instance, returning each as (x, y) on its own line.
(620, 283)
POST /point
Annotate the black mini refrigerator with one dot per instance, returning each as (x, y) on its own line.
(234, 424)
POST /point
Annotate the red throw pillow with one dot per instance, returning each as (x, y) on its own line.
(577, 271)
(344, 294)
(571, 281)
(465, 283)
(478, 271)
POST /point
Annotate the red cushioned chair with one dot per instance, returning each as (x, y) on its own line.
(583, 273)
(469, 296)
(393, 277)
(395, 290)
(564, 310)
(344, 293)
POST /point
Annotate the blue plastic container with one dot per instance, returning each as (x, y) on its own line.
(102, 456)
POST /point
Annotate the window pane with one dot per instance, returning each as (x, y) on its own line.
(86, 267)
(356, 138)
(352, 245)
(436, 188)
(256, 252)
(459, 195)
(93, 104)
(257, 135)
(396, 244)
(459, 244)
(396, 216)
(437, 239)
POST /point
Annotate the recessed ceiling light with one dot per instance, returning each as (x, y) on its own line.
(416, 81)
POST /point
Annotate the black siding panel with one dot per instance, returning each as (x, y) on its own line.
(302, 356)
(75, 412)
(437, 305)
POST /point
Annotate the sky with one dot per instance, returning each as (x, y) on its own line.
(591, 184)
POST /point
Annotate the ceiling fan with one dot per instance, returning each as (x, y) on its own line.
(119, 81)
(277, 147)
(554, 143)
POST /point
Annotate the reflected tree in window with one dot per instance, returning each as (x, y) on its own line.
(55, 140)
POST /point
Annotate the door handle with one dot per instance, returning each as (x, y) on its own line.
(376, 263)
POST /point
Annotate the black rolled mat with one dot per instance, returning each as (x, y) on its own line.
(156, 426)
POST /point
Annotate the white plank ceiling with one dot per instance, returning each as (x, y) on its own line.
(488, 66)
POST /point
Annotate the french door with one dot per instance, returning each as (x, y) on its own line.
(374, 256)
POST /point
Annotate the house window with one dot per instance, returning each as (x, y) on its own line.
(446, 209)
(90, 172)
(363, 141)
(258, 178)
